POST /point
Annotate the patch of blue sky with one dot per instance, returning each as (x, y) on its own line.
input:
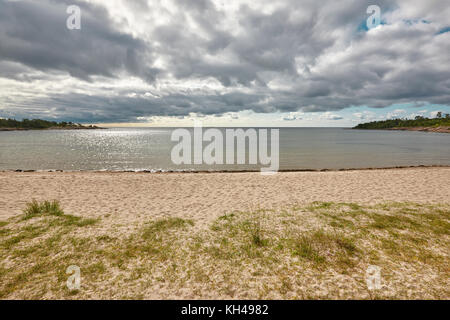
(362, 27)
(399, 110)
(413, 22)
(444, 30)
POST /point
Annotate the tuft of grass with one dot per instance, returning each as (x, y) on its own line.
(4, 232)
(384, 221)
(304, 248)
(321, 246)
(346, 244)
(105, 238)
(257, 240)
(54, 218)
(69, 220)
(95, 269)
(52, 208)
(35, 208)
(257, 235)
(159, 226)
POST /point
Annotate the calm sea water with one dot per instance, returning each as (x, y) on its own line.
(150, 148)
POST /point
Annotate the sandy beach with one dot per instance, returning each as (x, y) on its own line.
(293, 235)
(205, 196)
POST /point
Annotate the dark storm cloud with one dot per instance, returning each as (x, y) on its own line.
(95, 108)
(311, 56)
(34, 33)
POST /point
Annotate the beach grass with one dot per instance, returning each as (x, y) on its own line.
(318, 251)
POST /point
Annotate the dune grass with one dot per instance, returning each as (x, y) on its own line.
(321, 250)
(35, 208)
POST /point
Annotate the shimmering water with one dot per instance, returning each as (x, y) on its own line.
(150, 148)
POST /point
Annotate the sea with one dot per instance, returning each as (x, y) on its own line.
(150, 149)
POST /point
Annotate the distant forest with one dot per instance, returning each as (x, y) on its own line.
(36, 124)
(419, 121)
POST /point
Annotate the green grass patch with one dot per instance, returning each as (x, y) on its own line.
(35, 208)
(162, 225)
(264, 254)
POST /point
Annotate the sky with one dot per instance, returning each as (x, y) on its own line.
(224, 62)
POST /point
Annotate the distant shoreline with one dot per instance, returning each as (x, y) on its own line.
(52, 128)
(423, 129)
(419, 129)
(440, 124)
(221, 171)
(39, 124)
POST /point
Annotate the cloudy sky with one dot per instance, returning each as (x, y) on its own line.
(225, 62)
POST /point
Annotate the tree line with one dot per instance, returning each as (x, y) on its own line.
(418, 121)
(35, 124)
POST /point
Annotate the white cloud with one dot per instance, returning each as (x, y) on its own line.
(330, 116)
(397, 113)
(292, 116)
(433, 114)
(365, 115)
